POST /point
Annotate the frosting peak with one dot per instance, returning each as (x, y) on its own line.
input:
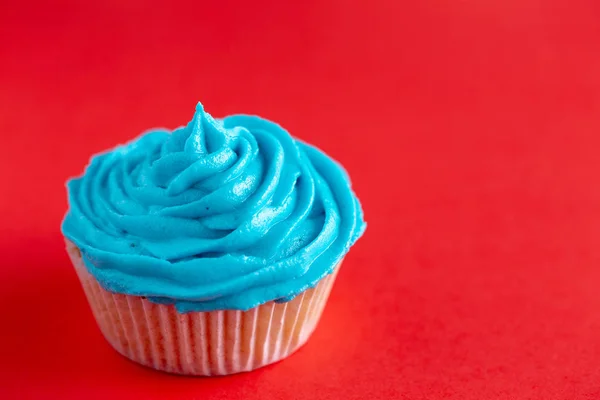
(206, 135)
(219, 214)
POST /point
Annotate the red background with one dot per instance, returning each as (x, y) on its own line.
(470, 129)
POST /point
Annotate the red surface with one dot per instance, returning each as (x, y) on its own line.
(471, 130)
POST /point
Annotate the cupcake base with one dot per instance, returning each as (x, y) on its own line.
(202, 343)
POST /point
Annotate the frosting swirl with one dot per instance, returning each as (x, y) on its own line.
(219, 214)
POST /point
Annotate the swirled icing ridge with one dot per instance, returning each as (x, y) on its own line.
(219, 214)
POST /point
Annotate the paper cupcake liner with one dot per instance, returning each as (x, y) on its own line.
(202, 343)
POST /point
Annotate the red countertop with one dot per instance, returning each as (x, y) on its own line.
(471, 130)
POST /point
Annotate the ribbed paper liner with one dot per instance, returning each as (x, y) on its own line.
(202, 343)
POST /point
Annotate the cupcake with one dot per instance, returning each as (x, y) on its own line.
(211, 249)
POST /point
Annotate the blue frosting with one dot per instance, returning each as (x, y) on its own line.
(219, 214)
